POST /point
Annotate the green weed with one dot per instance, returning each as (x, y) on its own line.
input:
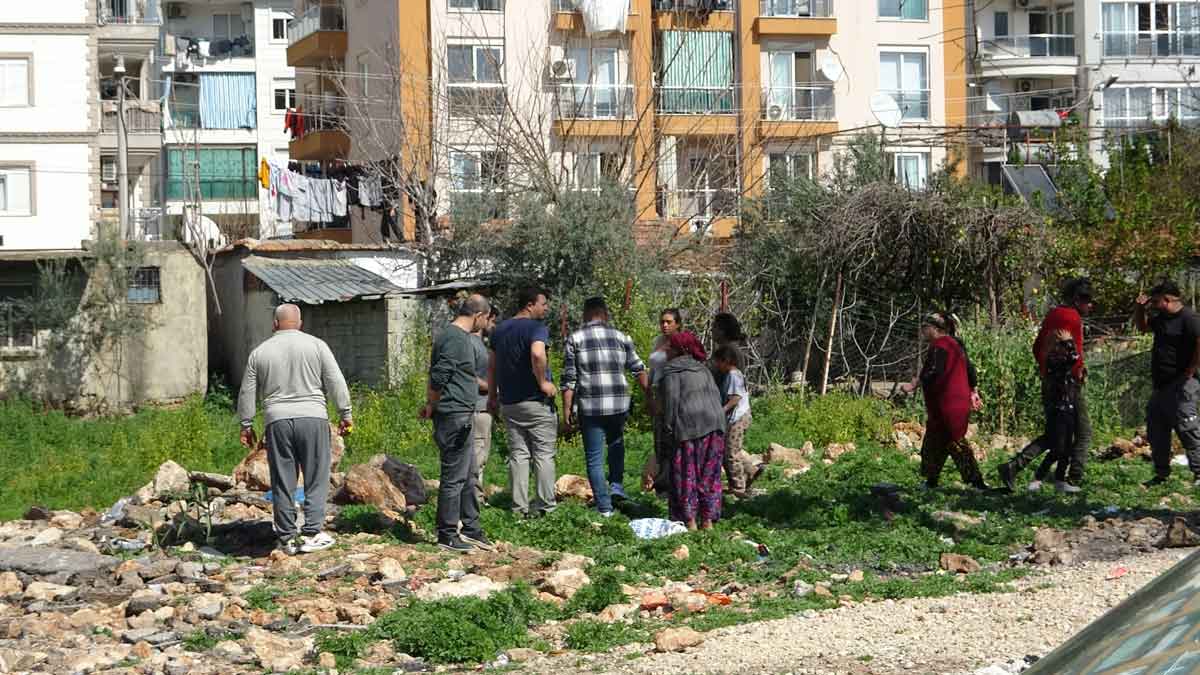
(596, 636)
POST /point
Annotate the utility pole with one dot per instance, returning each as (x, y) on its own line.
(122, 151)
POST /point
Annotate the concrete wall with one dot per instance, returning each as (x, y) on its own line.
(171, 360)
(167, 362)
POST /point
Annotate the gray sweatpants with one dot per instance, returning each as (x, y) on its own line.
(294, 446)
(1174, 407)
(532, 434)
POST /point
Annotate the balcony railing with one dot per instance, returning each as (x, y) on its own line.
(695, 5)
(1144, 44)
(914, 103)
(594, 101)
(185, 119)
(127, 12)
(472, 99)
(1029, 46)
(136, 121)
(801, 8)
(322, 119)
(318, 18)
(798, 103)
(696, 100)
(699, 202)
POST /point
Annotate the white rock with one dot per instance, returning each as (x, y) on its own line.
(48, 536)
(390, 570)
(471, 585)
(41, 590)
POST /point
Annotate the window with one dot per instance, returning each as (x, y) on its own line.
(1145, 106)
(1151, 28)
(905, 76)
(17, 327)
(484, 171)
(909, 10)
(594, 169)
(477, 5)
(144, 286)
(284, 95)
(279, 28)
(794, 93)
(711, 182)
(1000, 24)
(364, 73)
(228, 26)
(912, 169)
(16, 193)
(597, 89)
(227, 173)
(15, 84)
(475, 83)
(783, 168)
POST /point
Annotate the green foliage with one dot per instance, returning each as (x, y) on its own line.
(459, 630)
(1129, 224)
(263, 598)
(838, 417)
(201, 640)
(604, 590)
(596, 636)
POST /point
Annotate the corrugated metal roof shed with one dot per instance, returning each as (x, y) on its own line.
(314, 281)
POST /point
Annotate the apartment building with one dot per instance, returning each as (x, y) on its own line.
(691, 103)
(1116, 65)
(225, 87)
(49, 150)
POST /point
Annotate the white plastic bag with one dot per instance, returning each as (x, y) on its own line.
(603, 17)
(656, 528)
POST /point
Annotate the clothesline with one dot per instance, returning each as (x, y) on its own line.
(295, 196)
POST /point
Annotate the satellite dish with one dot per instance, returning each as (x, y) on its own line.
(886, 110)
(831, 68)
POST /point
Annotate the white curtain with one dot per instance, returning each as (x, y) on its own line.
(782, 80)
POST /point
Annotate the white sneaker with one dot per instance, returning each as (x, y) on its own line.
(1063, 486)
(289, 546)
(317, 542)
(1034, 485)
(606, 514)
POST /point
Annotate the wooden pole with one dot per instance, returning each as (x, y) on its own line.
(628, 294)
(812, 336)
(724, 295)
(833, 318)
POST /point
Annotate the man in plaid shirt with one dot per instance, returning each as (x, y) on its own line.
(594, 363)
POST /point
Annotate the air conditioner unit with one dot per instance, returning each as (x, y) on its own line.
(562, 69)
(1024, 86)
(699, 224)
(176, 10)
(775, 112)
(108, 172)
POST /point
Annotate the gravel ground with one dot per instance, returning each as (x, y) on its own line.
(951, 635)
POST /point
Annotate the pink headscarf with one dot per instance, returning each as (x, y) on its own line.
(687, 343)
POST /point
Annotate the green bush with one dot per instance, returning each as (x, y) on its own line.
(792, 419)
(459, 630)
(604, 590)
(596, 636)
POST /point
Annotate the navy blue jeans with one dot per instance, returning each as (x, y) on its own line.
(598, 431)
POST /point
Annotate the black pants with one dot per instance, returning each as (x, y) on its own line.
(457, 502)
(1062, 431)
(1079, 451)
(1174, 408)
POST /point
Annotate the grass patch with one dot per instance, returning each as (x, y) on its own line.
(588, 635)
(263, 598)
(202, 640)
(459, 630)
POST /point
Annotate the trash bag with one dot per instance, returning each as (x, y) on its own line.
(656, 528)
(408, 479)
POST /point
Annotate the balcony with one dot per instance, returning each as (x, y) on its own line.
(567, 18)
(781, 18)
(593, 109)
(317, 35)
(143, 126)
(124, 21)
(695, 14)
(802, 110)
(913, 104)
(1044, 55)
(324, 137)
(697, 100)
(1152, 44)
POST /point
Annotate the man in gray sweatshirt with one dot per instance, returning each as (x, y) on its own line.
(293, 372)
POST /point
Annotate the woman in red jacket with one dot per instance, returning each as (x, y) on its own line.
(948, 403)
